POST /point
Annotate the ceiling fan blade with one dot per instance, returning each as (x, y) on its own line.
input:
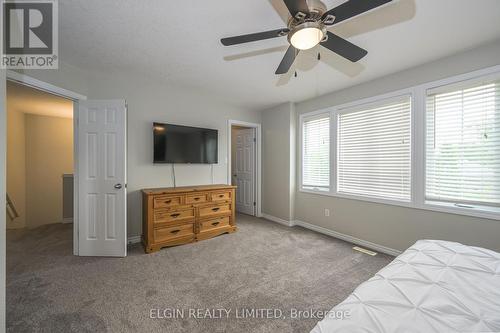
(287, 61)
(254, 37)
(295, 6)
(352, 8)
(343, 47)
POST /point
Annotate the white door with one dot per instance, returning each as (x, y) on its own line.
(102, 194)
(244, 170)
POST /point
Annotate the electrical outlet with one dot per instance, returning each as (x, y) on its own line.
(327, 212)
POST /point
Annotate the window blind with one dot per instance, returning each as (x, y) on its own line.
(374, 150)
(316, 153)
(463, 145)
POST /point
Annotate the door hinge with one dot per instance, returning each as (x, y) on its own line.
(254, 140)
(254, 203)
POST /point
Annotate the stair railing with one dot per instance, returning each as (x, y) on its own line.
(11, 209)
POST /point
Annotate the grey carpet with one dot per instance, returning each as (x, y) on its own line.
(263, 265)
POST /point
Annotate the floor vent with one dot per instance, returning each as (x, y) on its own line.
(365, 251)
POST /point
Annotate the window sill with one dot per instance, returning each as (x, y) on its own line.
(359, 198)
(315, 190)
(474, 210)
(492, 213)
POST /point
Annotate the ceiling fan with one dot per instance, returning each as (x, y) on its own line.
(307, 28)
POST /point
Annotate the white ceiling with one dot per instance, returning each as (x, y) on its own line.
(178, 42)
(24, 99)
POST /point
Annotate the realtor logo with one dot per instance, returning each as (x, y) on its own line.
(29, 38)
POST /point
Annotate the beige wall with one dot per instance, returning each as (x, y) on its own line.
(478, 58)
(278, 171)
(393, 226)
(16, 166)
(148, 101)
(49, 155)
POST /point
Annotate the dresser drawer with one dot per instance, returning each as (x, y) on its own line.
(214, 223)
(217, 209)
(166, 234)
(166, 201)
(172, 215)
(195, 198)
(220, 196)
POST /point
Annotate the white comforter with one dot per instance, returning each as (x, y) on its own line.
(434, 286)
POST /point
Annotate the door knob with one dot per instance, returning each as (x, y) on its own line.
(118, 186)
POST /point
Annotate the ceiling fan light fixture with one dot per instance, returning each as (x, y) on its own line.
(306, 35)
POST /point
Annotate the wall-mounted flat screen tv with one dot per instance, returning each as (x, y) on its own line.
(184, 144)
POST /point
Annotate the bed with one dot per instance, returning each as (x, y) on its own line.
(434, 286)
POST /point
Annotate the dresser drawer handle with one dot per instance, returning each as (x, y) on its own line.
(215, 223)
(215, 209)
(168, 201)
(221, 195)
(196, 199)
(175, 215)
(174, 231)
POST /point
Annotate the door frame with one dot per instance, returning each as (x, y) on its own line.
(75, 97)
(258, 159)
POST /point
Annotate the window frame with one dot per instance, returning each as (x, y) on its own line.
(418, 95)
(302, 119)
(475, 210)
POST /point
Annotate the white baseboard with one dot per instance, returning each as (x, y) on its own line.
(328, 232)
(277, 220)
(350, 239)
(134, 240)
(67, 220)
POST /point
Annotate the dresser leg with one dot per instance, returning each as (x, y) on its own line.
(150, 249)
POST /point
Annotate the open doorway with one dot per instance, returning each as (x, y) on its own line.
(40, 145)
(99, 150)
(244, 166)
(99, 146)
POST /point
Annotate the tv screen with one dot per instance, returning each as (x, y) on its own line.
(183, 144)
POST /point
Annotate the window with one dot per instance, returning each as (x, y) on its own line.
(463, 144)
(374, 150)
(435, 146)
(316, 153)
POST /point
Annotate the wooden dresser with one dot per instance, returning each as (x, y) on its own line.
(180, 215)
